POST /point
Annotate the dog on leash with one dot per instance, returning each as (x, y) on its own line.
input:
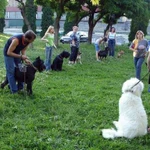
(29, 75)
(120, 54)
(78, 59)
(132, 120)
(58, 61)
(104, 53)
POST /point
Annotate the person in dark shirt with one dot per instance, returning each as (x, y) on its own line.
(74, 45)
(14, 52)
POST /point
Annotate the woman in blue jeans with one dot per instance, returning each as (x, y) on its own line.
(112, 41)
(49, 39)
(140, 52)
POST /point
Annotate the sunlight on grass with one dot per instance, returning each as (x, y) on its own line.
(68, 109)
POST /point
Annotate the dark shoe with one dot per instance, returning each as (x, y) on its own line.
(4, 83)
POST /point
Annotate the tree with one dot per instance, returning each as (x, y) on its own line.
(79, 10)
(30, 12)
(68, 23)
(3, 4)
(2, 15)
(2, 24)
(58, 6)
(140, 21)
(22, 7)
(47, 19)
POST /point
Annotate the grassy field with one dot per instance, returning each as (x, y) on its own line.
(68, 109)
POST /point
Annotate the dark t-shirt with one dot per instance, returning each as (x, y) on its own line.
(142, 52)
(19, 47)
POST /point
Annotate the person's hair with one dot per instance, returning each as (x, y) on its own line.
(30, 35)
(112, 29)
(50, 28)
(74, 27)
(105, 39)
(139, 31)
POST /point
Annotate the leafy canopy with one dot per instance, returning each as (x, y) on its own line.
(3, 4)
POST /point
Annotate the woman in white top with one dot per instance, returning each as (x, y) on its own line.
(112, 41)
(97, 45)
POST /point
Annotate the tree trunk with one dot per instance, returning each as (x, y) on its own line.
(91, 27)
(23, 13)
(56, 27)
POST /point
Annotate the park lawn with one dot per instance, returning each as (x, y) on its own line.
(68, 109)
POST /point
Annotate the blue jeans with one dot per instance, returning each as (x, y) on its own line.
(97, 48)
(138, 65)
(48, 55)
(10, 64)
(111, 45)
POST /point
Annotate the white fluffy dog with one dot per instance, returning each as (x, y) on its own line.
(132, 116)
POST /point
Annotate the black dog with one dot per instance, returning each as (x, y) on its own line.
(29, 75)
(58, 61)
(104, 53)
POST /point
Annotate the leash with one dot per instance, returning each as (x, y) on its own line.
(23, 68)
(140, 80)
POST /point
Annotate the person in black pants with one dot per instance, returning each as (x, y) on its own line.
(74, 45)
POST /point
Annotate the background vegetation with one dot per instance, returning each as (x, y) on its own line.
(68, 109)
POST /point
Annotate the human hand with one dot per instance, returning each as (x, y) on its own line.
(55, 46)
(23, 57)
(27, 61)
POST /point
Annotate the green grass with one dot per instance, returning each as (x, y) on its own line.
(68, 109)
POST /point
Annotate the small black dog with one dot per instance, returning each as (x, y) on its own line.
(104, 53)
(58, 61)
(29, 75)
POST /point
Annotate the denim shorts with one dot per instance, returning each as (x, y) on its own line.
(97, 48)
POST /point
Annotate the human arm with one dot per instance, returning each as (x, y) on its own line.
(24, 57)
(133, 47)
(44, 38)
(11, 49)
(54, 46)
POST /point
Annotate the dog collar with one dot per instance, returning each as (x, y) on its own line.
(60, 57)
(129, 91)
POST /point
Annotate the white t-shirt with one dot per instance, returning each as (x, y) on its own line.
(98, 41)
(112, 35)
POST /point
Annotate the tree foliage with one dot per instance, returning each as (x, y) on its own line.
(2, 24)
(47, 19)
(30, 10)
(58, 6)
(68, 23)
(140, 20)
(3, 4)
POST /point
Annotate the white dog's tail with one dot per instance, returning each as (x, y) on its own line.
(110, 133)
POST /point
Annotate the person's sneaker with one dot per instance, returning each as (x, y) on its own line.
(149, 89)
(98, 60)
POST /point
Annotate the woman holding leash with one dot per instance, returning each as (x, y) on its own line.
(139, 48)
(49, 39)
(14, 52)
(97, 45)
